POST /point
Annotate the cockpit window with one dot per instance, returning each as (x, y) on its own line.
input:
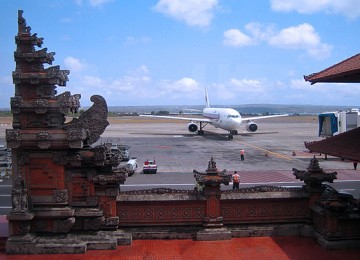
(233, 116)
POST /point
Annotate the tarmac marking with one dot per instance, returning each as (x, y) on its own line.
(267, 151)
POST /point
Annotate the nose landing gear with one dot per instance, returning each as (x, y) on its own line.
(232, 133)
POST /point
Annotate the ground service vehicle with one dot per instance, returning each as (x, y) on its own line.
(150, 166)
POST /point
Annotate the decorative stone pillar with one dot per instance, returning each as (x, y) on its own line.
(313, 179)
(61, 183)
(211, 181)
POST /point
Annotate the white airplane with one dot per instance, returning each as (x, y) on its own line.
(225, 118)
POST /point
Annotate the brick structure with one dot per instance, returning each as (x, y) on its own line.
(60, 182)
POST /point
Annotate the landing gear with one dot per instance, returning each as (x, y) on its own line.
(201, 131)
(232, 133)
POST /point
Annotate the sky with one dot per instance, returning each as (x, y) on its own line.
(164, 52)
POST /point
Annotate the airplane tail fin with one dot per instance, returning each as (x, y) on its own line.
(207, 104)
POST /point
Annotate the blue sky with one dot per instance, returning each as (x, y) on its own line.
(163, 52)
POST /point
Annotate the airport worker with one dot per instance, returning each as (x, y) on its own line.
(236, 180)
(355, 165)
(242, 154)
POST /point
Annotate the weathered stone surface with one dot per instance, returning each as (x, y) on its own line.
(211, 234)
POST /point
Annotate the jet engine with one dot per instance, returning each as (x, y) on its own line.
(192, 127)
(251, 127)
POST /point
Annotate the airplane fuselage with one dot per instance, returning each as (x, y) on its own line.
(225, 118)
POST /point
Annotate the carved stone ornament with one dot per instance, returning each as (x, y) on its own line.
(13, 135)
(22, 23)
(19, 196)
(212, 177)
(94, 223)
(118, 178)
(43, 136)
(93, 120)
(112, 221)
(16, 102)
(314, 176)
(63, 225)
(60, 196)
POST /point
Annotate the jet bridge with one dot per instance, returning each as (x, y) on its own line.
(333, 123)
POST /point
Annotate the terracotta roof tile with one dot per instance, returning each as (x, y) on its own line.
(345, 145)
(345, 71)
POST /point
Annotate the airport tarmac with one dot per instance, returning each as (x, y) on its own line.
(277, 145)
(270, 154)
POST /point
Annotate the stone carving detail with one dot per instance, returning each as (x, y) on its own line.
(64, 225)
(109, 179)
(16, 104)
(112, 221)
(61, 76)
(67, 100)
(43, 136)
(94, 223)
(60, 196)
(13, 135)
(314, 176)
(71, 181)
(93, 120)
(19, 196)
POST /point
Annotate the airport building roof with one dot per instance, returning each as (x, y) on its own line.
(346, 71)
(345, 145)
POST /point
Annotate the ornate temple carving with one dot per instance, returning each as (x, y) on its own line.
(314, 176)
(59, 179)
(94, 119)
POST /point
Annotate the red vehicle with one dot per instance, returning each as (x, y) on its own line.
(150, 166)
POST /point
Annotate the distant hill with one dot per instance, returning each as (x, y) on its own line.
(243, 109)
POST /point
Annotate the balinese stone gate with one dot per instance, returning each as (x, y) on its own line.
(66, 196)
(60, 183)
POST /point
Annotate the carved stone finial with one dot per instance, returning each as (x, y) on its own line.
(314, 165)
(93, 120)
(314, 176)
(22, 28)
(212, 177)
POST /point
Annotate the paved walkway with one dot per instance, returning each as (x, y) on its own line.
(238, 248)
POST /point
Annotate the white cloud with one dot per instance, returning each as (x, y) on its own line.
(183, 86)
(304, 37)
(194, 13)
(93, 3)
(301, 37)
(247, 85)
(235, 37)
(348, 8)
(74, 64)
(96, 3)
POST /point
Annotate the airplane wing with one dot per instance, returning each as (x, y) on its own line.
(262, 117)
(193, 119)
